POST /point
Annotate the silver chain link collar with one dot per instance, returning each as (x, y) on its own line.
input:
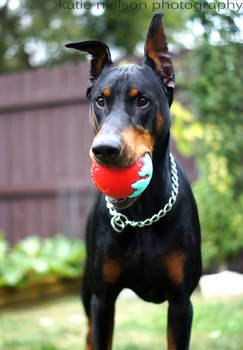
(120, 221)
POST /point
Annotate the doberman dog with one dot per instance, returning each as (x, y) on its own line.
(151, 243)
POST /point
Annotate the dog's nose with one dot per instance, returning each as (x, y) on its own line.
(106, 150)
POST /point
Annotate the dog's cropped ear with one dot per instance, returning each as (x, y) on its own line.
(100, 58)
(157, 55)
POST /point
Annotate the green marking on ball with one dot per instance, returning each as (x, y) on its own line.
(147, 170)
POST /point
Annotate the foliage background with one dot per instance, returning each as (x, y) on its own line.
(207, 112)
(33, 259)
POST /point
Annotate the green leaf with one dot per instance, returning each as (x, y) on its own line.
(30, 246)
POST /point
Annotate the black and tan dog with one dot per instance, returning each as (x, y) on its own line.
(157, 256)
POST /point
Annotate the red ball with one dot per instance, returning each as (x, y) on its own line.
(116, 182)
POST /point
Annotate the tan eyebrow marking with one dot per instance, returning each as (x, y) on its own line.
(133, 92)
(107, 92)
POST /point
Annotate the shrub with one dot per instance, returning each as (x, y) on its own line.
(32, 259)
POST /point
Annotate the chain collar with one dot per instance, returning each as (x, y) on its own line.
(120, 221)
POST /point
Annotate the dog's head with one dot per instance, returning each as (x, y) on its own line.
(129, 104)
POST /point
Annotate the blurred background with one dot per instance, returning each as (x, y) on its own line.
(45, 186)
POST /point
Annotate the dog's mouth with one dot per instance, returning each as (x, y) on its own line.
(122, 203)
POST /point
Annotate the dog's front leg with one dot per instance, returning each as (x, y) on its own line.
(102, 320)
(179, 324)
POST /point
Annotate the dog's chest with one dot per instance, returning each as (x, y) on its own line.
(145, 265)
(145, 273)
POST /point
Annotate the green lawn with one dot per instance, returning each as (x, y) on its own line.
(61, 325)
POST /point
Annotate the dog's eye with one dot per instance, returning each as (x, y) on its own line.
(100, 101)
(142, 101)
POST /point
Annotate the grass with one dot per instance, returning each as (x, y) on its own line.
(61, 325)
